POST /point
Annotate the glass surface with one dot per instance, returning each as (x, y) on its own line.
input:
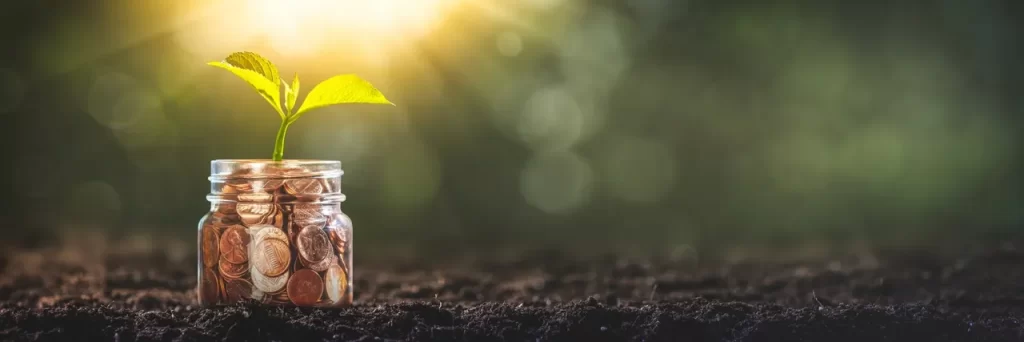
(275, 234)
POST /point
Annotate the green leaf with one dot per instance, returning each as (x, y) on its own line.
(258, 72)
(291, 93)
(339, 90)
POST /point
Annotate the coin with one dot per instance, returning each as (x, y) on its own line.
(208, 287)
(236, 290)
(313, 244)
(272, 185)
(305, 288)
(225, 207)
(268, 284)
(229, 270)
(236, 186)
(271, 257)
(339, 221)
(234, 245)
(303, 186)
(280, 298)
(338, 240)
(210, 246)
(321, 265)
(221, 219)
(255, 197)
(256, 213)
(306, 214)
(266, 231)
(284, 170)
(336, 283)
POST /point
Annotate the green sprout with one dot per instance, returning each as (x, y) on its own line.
(262, 75)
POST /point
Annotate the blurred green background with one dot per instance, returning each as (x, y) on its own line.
(632, 125)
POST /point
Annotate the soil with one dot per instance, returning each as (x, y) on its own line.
(128, 294)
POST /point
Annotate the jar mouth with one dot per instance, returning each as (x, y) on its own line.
(225, 169)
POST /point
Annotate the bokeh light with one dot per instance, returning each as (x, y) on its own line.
(107, 92)
(557, 182)
(551, 119)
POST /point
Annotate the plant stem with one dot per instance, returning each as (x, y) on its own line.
(279, 142)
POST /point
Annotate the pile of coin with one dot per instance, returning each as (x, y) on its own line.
(274, 239)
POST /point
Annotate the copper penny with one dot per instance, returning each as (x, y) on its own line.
(221, 219)
(210, 246)
(277, 219)
(313, 244)
(226, 208)
(308, 215)
(338, 239)
(271, 257)
(268, 285)
(234, 245)
(229, 270)
(303, 186)
(266, 231)
(305, 288)
(208, 287)
(236, 186)
(336, 283)
(255, 197)
(253, 213)
(280, 298)
(236, 290)
(272, 185)
(321, 265)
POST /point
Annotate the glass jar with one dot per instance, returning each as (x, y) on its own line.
(275, 234)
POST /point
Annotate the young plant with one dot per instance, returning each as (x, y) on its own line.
(262, 75)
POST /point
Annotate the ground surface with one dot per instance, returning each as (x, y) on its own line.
(82, 294)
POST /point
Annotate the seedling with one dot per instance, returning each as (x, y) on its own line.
(262, 75)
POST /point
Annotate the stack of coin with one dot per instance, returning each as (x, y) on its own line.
(234, 263)
(271, 256)
(277, 243)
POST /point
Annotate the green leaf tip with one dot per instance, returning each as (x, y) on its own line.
(263, 76)
(342, 89)
(259, 72)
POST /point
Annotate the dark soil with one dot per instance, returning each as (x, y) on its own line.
(126, 294)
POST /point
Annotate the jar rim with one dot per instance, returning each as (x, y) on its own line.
(272, 162)
(221, 169)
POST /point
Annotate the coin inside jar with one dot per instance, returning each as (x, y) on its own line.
(236, 290)
(308, 215)
(313, 244)
(305, 287)
(211, 246)
(336, 282)
(271, 257)
(208, 287)
(256, 213)
(266, 231)
(338, 240)
(268, 285)
(272, 185)
(234, 245)
(321, 265)
(230, 270)
(255, 197)
(303, 186)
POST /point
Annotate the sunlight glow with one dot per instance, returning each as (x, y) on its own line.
(302, 26)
